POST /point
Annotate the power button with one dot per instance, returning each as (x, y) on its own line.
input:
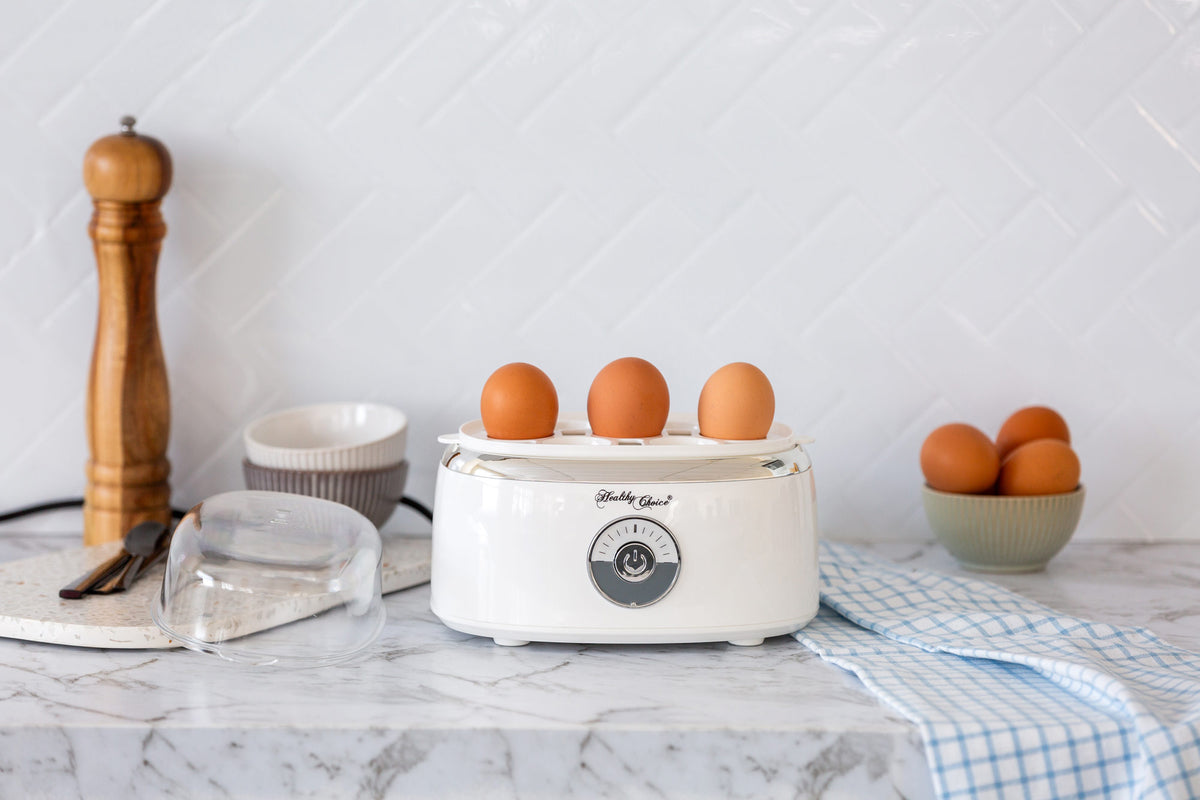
(634, 562)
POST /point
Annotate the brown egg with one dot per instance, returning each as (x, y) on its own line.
(959, 458)
(737, 402)
(1028, 424)
(1043, 466)
(629, 399)
(518, 402)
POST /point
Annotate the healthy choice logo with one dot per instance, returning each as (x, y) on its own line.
(639, 501)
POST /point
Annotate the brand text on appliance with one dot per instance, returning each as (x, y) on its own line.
(641, 501)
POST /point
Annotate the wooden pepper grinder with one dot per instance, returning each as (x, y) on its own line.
(128, 409)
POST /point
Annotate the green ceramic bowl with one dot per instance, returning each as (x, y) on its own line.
(988, 533)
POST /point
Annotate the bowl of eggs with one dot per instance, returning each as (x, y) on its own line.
(1008, 505)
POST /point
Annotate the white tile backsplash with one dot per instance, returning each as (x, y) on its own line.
(907, 214)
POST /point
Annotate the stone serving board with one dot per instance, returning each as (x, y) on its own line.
(31, 609)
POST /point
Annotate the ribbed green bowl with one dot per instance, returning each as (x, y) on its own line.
(989, 533)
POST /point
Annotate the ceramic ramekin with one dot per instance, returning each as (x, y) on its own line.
(373, 493)
(990, 533)
(328, 436)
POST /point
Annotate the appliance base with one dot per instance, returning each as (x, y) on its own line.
(516, 636)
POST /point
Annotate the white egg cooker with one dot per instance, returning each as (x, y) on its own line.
(587, 539)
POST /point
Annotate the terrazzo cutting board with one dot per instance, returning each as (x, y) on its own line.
(31, 609)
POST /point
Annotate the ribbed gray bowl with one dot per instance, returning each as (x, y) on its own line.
(373, 493)
(990, 533)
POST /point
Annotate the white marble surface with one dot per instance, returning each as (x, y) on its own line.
(435, 713)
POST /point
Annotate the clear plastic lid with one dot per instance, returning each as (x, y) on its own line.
(273, 578)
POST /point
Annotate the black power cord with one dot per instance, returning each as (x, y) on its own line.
(56, 505)
(40, 508)
(176, 513)
(417, 506)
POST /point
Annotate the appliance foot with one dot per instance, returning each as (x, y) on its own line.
(500, 640)
(746, 642)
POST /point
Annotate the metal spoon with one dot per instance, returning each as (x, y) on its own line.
(142, 542)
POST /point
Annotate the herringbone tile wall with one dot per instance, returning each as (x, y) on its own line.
(906, 213)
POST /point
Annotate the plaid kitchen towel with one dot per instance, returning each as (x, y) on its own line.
(1012, 698)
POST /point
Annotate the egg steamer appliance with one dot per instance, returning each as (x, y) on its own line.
(588, 539)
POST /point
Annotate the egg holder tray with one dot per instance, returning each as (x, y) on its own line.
(573, 439)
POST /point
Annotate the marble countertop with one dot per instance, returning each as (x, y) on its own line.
(436, 713)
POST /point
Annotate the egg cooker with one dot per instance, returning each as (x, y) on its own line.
(587, 539)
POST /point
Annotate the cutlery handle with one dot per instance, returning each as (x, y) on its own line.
(119, 580)
(138, 561)
(83, 584)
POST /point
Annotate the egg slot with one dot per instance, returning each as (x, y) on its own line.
(574, 432)
(679, 428)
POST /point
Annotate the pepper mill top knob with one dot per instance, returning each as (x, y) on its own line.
(127, 167)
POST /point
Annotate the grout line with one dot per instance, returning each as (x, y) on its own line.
(502, 48)
(171, 85)
(385, 275)
(85, 285)
(310, 254)
(71, 407)
(839, 90)
(42, 230)
(539, 105)
(1171, 24)
(201, 207)
(1084, 144)
(795, 248)
(233, 237)
(582, 60)
(1166, 135)
(122, 41)
(672, 66)
(743, 94)
(212, 458)
(265, 91)
(427, 30)
(488, 266)
(1121, 91)
(28, 40)
(611, 241)
(205, 263)
(701, 247)
(1128, 201)
(1006, 27)
(342, 20)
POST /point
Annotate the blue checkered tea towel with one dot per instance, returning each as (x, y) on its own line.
(1012, 698)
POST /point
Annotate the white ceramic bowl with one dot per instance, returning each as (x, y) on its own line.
(328, 436)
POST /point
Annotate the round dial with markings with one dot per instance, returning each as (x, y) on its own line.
(634, 561)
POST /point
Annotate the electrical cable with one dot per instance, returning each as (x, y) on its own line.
(418, 506)
(176, 513)
(56, 505)
(40, 508)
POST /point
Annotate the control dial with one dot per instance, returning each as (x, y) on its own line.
(634, 561)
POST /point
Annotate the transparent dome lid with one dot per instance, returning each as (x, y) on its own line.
(273, 578)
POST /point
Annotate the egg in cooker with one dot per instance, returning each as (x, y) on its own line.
(519, 402)
(628, 399)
